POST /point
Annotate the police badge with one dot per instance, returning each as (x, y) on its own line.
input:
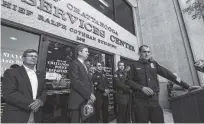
(152, 65)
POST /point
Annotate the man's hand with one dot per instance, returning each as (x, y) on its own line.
(199, 63)
(148, 91)
(107, 91)
(36, 105)
(90, 102)
(191, 88)
(92, 98)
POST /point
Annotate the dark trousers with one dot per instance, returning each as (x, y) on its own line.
(146, 110)
(101, 105)
(75, 117)
(122, 113)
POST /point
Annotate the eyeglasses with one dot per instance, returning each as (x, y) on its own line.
(34, 56)
(99, 65)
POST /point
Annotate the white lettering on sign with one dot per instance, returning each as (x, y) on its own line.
(74, 20)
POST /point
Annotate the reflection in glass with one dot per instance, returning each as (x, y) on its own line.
(59, 58)
(13, 43)
(104, 6)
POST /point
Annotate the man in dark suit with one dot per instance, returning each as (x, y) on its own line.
(24, 91)
(81, 86)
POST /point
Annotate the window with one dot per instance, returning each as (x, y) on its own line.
(124, 15)
(104, 6)
(117, 10)
(107, 63)
(59, 58)
(13, 43)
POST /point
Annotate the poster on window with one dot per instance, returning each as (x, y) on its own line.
(9, 58)
(59, 58)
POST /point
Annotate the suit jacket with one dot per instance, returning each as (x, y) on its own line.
(81, 85)
(17, 92)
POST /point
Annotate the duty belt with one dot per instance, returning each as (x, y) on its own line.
(138, 93)
(122, 92)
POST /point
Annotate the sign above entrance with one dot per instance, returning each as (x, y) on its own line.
(72, 19)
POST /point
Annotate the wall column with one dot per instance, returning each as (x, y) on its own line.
(186, 43)
(116, 60)
(137, 24)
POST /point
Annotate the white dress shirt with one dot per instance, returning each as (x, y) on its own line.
(82, 61)
(33, 80)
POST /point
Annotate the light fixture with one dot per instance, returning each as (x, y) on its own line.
(13, 38)
(104, 3)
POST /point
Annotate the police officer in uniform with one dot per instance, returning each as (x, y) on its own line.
(101, 91)
(142, 78)
(122, 93)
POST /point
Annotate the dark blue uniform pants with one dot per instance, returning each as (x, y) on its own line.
(122, 113)
(75, 117)
(146, 110)
(102, 104)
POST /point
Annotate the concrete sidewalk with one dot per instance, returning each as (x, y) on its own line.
(168, 118)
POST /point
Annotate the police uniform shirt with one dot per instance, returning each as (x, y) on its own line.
(100, 81)
(144, 73)
(119, 80)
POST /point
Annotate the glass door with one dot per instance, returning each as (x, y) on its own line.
(55, 59)
(108, 67)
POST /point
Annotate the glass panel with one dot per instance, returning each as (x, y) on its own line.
(13, 43)
(124, 15)
(104, 6)
(107, 62)
(108, 68)
(117, 10)
(94, 58)
(59, 57)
